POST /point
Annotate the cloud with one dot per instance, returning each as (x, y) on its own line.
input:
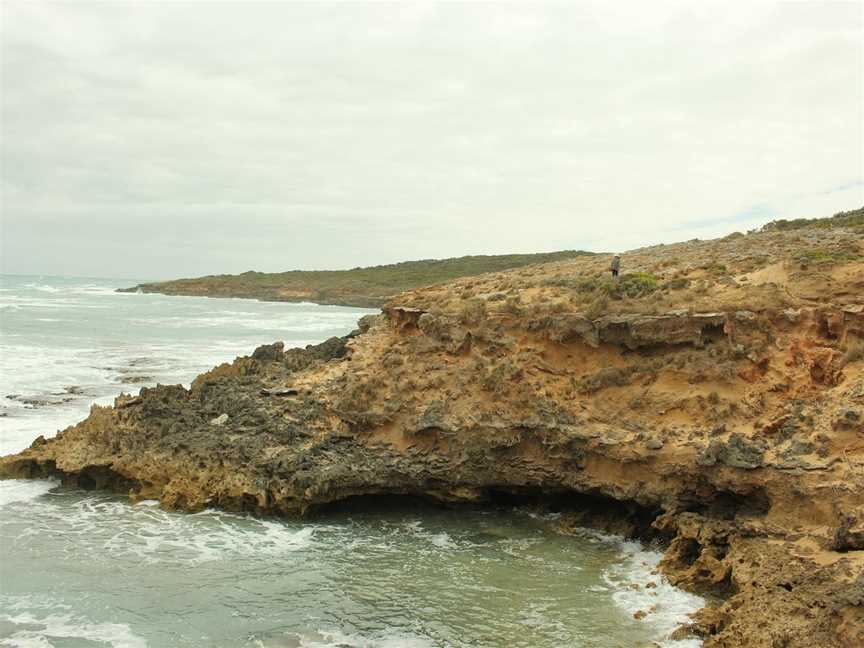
(162, 139)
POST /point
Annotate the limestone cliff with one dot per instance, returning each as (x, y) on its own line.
(713, 398)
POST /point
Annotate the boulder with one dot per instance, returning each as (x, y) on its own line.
(849, 536)
(736, 452)
(269, 352)
(367, 322)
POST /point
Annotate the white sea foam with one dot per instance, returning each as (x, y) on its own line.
(666, 607)
(147, 534)
(43, 287)
(340, 639)
(441, 540)
(24, 490)
(285, 323)
(96, 289)
(38, 631)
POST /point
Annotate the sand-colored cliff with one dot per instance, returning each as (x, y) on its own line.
(712, 398)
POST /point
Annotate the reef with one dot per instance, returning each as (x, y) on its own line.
(711, 399)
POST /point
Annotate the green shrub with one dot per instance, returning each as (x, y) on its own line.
(822, 256)
(473, 311)
(499, 378)
(637, 284)
(606, 377)
(597, 307)
(634, 284)
(512, 305)
(853, 218)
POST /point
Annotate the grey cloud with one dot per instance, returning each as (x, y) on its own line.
(159, 139)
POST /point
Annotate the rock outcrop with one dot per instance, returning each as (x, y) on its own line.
(716, 404)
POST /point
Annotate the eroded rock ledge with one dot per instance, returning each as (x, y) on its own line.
(735, 434)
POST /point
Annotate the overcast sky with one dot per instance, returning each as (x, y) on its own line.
(155, 140)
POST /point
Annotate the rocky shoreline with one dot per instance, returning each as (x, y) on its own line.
(713, 400)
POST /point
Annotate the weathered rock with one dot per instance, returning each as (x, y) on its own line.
(568, 327)
(735, 452)
(456, 338)
(849, 536)
(269, 352)
(634, 331)
(279, 391)
(299, 359)
(365, 323)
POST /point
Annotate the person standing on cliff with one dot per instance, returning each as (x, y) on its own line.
(616, 265)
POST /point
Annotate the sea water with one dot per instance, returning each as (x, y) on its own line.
(86, 569)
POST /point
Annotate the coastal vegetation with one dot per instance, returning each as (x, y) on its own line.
(362, 287)
(853, 218)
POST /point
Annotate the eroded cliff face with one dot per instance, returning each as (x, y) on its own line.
(713, 398)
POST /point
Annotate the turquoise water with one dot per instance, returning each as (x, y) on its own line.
(89, 569)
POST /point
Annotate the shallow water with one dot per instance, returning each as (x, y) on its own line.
(89, 569)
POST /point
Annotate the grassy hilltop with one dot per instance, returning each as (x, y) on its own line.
(373, 286)
(365, 287)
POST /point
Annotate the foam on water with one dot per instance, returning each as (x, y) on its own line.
(24, 490)
(339, 639)
(43, 631)
(144, 532)
(440, 540)
(665, 607)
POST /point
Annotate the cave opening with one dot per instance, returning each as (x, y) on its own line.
(712, 333)
(728, 505)
(590, 510)
(99, 478)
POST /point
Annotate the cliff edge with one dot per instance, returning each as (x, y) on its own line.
(712, 398)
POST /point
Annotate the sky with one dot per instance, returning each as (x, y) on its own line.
(158, 140)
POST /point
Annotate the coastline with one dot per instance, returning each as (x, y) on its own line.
(707, 403)
(369, 287)
(349, 302)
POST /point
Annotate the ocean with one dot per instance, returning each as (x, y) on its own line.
(86, 569)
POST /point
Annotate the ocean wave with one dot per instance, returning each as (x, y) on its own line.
(35, 631)
(289, 322)
(97, 290)
(97, 524)
(24, 490)
(440, 540)
(340, 639)
(16, 302)
(42, 287)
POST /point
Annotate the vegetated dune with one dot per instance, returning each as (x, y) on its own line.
(361, 287)
(711, 399)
